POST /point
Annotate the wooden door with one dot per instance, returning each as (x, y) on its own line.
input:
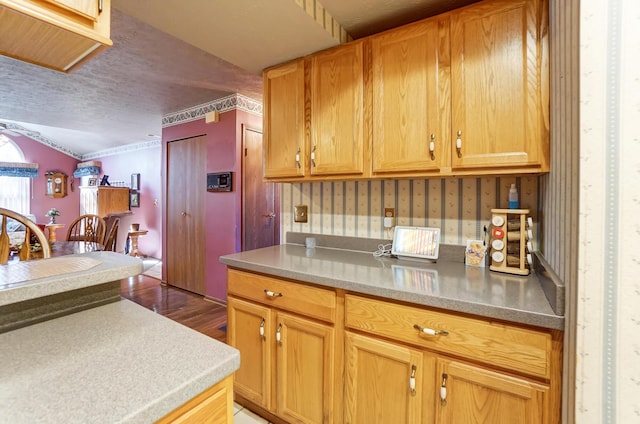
(284, 121)
(260, 199)
(337, 115)
(186, 225)
(496, 79)
(477, 395)
(411, 98)
(305, 369)
(378, 382)
(250, 331)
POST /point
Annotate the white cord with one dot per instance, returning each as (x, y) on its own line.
(383, 250)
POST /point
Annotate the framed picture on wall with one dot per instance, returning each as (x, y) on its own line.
(135, 181)
(134, 199)
(93, 181)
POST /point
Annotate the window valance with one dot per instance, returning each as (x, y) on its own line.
(18, 169)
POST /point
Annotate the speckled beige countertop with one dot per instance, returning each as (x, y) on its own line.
(22, 281)
(448, 285)
(117, 363)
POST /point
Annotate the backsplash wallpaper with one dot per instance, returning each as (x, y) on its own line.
(460, 207)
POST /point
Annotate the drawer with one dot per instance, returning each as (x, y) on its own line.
(519, 349)
(295, 297)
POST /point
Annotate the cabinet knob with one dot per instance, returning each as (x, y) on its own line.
(183, 214)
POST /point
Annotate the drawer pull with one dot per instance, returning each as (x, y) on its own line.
(279, 333)
(262, 329)
(430, 331)
(432, 146)
(272, 293)
(412, 380)
(443, 390)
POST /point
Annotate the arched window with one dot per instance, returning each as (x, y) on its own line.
(14, 191)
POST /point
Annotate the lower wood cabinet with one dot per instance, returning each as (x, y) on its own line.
(311, 355)
(287, 361)
(472, 394)
(213, 406)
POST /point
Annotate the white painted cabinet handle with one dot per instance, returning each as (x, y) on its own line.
(298, 158)
(443, 390)
(262, 329)
(432, 146)
(430, 331)
(272, 293)
(279, 333)
(459, 144)
(412, 380)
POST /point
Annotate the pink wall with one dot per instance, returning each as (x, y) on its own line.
(224, 147)
(51, 160)
(149, 215)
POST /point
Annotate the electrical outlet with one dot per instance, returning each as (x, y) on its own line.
(300, 213)
(389, 212)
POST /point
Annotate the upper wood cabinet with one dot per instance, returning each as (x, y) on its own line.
(499, 86)
(56, 34)
(337, 115)
(284, 121)
(462, 93)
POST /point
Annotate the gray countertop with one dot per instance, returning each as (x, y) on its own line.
(117, 363)
(447, 285)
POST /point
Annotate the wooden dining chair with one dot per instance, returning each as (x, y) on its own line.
(30, 229)
(89, 227)
(111, 237)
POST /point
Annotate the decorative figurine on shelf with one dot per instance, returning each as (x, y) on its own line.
(52, 213)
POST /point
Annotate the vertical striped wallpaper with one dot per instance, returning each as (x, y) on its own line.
(560, 187)
(460, 207)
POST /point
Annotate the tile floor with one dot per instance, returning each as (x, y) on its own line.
(153, 268)
(244, 416)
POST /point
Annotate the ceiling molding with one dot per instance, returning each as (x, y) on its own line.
(224, 104)
(128, 148)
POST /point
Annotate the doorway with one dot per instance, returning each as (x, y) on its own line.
(260, 199)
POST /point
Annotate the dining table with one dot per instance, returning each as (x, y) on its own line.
(62, 248)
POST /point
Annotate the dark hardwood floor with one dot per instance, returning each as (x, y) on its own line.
(187, 308)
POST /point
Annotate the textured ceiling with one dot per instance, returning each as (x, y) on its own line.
(186, 53)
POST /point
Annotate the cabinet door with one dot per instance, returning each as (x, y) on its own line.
(337, 136)
(304, 363)
(284, 120)
(250, 331)
(496, 78)
(85, 8)
(478, 395)
(378, 385)
(411, 93)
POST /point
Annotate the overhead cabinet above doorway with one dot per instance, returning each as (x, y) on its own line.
(462, 93)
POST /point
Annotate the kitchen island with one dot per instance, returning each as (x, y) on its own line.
(114, 362)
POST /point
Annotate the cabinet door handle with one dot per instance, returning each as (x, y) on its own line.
(272, 293)
(459, 144)
(412, 380)
(430, 331)
(298, 158)
(432, 146)
(279, 334)
(443, 390)
(313, 156)
(261, 331)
